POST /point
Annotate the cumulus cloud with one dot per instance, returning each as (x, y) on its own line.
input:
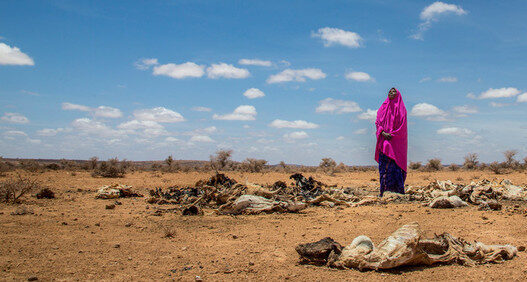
(49, 131)
(432, 13)
(447, 79)
(340, 138)
(358, 76)
(101, 111)
(335, 36)
(425, 79)
(75, 107)
(296, 135)
(522, 98)
(255, 62)
(10, 134)
(145, 63)
(147, 127)
(471, 96)
(15, 118)
(226, 71)
(499, 93)
(302, 124)
(201, 109)
(465, 110)
(299, 75)
(253, 93)
(14, 57)
(158, 114)
(91, 127)
(243, 112)
(369, 114)
(455, 131)
(498, 105)
(360, 131)
(428, 111)
(185, 70)
(201, 138)
(330, 105)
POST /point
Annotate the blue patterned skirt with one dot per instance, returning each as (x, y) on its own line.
(392, 177)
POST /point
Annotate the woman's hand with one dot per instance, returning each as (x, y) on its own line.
(386, 135)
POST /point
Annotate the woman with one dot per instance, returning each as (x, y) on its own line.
(392, 143)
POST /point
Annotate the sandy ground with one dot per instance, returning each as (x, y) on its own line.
(73, 237)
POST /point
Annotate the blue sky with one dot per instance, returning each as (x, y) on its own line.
(146, 79)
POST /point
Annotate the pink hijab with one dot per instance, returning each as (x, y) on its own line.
(391, 118)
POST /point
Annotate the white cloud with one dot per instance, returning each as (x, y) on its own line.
(145, 63)
(49, 131)
(148, 127)
(101, 111)
(158, 114)
(427, 110)
(447, 79)
(424, 79)
(278, 123)
(75, 107)
(330, 105)
(201, 138)
(11, 134)
(432, 12)
(107, 112)
(369, 114)
(14, 118)
(226, 71)
(358, 76)
(499, 93)
(360, 131)
(522, 98)
(93, 128)
(243, 112)
(201, 109)
(13, 56)
(465, 109)
(455, 131)
(296, 75)
(340, 138)
(498, 105)
(188, 69)
(334, 36)
(471, 95)
(253, 93)
(296, 135)
(171, 139)
(255, 62)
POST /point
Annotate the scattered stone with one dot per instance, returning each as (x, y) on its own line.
(198, 278)
(521, 248)
(110, 207)
(22, 210)
(318, 252)
(32, 278)
(251, 263)
(192, 210)
(187, 268)
(45, 193)
(444, 202)
(129, 224)
(64, 223)
(117, 246)
(97, 224)
(117, 203)
(234, 237)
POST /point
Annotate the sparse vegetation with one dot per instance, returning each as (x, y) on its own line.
(111, 169)
(496, 167)
(471, 161)
(510, 161)
(221, 160)
(454, 167)
(253, 165)
(328, 165)
(11, 190)
(434, 165)
(415, 165)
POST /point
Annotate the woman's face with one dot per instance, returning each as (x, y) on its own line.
(392, 93)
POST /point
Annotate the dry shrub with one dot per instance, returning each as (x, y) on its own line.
(328, 165)
(45, 193)
(30, 165)
(111, 169)
(342, 168)
(454, 167)
(169, 232)
(496, 167)
(221, 160)
(282, 166)
(471, 161)
(11, 190)
(172, 165)
(415, 165)
(253, 165)
(434, 165)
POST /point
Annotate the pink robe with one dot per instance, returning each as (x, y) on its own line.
(391, 118)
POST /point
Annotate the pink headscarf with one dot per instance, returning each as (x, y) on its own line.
(391, 118)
